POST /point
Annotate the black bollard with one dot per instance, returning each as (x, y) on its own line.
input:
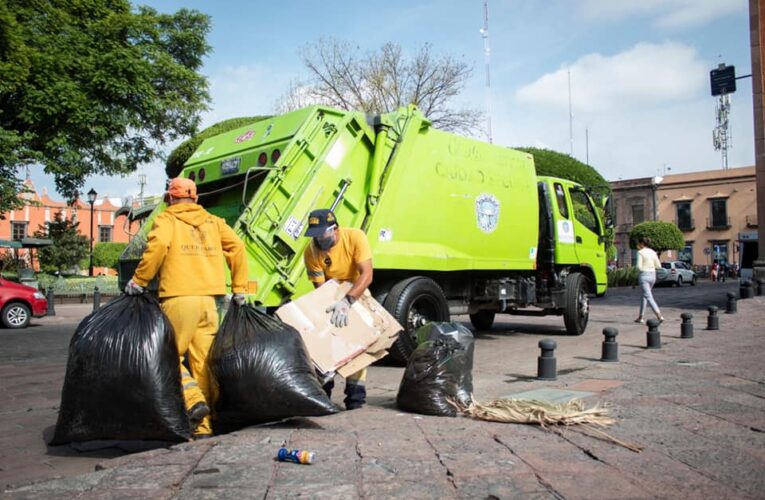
(713, 321)
(686, 328)
(546, 364)
(51, 303)
(760, 287)
(96, 298)
(610, 347)
(653, 336)
(745, 290)
(731, 306)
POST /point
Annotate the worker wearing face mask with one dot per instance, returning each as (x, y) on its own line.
(341, 254)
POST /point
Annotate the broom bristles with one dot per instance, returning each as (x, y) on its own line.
(521, 411)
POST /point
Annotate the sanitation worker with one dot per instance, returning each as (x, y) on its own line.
(187, 247)
(341, 254)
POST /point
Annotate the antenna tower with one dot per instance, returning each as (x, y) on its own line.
(721, 135)
(142, 183)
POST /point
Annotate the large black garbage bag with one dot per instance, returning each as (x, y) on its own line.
(439, 370)
(123, 379)
(263, 372)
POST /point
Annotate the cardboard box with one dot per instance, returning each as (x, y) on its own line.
(371, 330)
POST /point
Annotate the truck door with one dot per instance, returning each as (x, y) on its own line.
(590, 250)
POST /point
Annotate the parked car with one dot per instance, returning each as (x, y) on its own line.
(678, 273)
(19, 303)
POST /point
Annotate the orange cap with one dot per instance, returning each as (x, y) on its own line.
(181, 187)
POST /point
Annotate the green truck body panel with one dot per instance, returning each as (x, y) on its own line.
(430, 201)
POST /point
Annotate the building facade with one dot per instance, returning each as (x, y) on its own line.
(716, 210)
(108, 225)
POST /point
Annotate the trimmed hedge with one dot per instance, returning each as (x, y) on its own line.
(555, 164)
(183, 152)
(663, 235)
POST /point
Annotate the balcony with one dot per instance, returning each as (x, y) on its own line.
(685, 225)
(718, 223)
(751, 221)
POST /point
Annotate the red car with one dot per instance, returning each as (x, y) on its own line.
(18, 303)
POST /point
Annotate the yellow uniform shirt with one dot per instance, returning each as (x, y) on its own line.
(339, 262)
(188, 247)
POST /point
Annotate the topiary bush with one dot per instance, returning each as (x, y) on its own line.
(183, 152)
(555, 164)
(663, 236)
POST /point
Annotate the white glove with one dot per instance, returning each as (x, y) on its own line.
(133, 288)
(239, 298)
(339, 312)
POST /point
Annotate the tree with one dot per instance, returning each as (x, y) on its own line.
(382, 81)
(107, 254)
(183, 152)
(663, 235)
(94, 87)
(69, 246)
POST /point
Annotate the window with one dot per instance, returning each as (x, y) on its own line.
(104, 233)
(560, 195)
(684, 220)
(638, 214)
(686, 254)
(584, 212)
(719, 213)
(18, 230)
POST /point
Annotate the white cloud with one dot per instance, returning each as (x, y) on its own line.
(664, 13)
(645, 74)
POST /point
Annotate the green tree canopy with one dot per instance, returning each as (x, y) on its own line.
(107, 254)
(69, 246)
(663, 235)
(94, 87)
(183, 152)
(555, 164)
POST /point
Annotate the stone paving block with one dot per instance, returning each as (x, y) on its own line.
(605, 485)
(237, 454)
(329, 491)
(423, 488)
(730, 466)
(325, 470)
(222, 492)
(392, 468)
(70, 486)
(526, 486)
(125, 493)
(404, 443)
(133, 477)
(474, 464)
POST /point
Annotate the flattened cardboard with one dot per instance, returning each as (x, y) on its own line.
(371, 330)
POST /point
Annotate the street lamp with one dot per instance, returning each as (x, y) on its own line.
(91, 199)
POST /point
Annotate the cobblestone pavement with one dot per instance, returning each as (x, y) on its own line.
(696, 406)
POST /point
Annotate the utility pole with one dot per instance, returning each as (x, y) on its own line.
(487, 56)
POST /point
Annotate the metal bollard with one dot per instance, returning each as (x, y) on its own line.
(546, 364)
(610, 347)
(745, 290)
(686, 328)
(96, 298)
(713, 321)
(51, 303)
(653, 336)
(731, 306)
(760, 287)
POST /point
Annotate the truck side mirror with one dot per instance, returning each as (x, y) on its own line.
(608, 209)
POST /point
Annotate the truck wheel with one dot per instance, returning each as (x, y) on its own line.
(414, 302)
(577, 310)
(483, 319)
(16, 315)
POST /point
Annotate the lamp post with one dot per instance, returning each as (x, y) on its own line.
(91, 199)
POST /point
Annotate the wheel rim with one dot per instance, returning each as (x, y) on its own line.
(424, 309)
(17, 316)
(584, 308)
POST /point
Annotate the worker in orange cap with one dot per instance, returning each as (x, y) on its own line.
(186, 246)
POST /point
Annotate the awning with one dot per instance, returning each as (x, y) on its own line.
(10, 244)
(35, 242)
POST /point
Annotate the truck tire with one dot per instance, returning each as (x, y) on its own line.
(414, 302)
(482, 320)
(577, 307)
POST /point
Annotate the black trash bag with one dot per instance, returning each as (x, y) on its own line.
(263, 372)
(439, 370)
(123, 379)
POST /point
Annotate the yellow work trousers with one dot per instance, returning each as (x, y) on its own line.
(195, 321)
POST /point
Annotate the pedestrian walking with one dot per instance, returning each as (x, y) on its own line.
(186, 246)
(341, 254)
(647, 263)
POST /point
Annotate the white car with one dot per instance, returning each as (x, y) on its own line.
(677, 273)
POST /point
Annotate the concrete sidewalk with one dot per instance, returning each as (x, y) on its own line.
(696, 406)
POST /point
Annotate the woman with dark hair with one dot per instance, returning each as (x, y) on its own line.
(647, 263)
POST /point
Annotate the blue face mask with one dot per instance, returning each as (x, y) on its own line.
(324, 243)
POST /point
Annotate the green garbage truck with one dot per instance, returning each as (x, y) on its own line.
(456, 225)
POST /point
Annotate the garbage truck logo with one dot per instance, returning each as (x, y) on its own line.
(487, 212)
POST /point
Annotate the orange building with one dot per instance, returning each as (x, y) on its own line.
(110, 224)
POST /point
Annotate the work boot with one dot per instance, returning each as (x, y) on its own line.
(355, 396)
(196, 413)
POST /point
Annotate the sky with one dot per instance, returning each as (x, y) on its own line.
(639, 72)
